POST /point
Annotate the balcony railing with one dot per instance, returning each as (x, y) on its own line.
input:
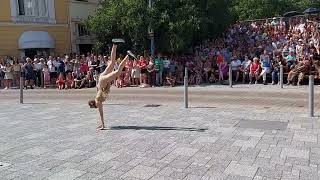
(33, 20)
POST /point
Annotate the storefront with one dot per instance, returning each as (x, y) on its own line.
(33, 43)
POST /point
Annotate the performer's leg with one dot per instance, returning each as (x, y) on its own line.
(113, 75)
(110, 66)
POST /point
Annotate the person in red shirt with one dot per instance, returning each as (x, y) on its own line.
(254, 70)
(60, 81)
(84, 68)
(142, 63)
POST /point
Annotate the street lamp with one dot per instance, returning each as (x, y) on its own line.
(151, 33)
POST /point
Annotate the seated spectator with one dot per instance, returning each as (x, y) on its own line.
(299, 70)
(254, 70)
(291, 60)
(60, 81)
(235, 66)
(171, 80)
(78, 80)
(69, 81)
(245, 68)
(223, 71)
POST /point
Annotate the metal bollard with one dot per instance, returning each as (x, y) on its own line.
(21, 87)
(281, 76)
(230, 75)
(311, 96)
(186, 88)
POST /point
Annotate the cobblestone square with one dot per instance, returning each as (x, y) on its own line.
(58, 139)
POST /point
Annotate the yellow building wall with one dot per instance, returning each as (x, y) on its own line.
(10, 32)
(9, 37)
(62, 11)
(5, 11)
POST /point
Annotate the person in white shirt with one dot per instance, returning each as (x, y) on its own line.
(52, 69)
(166, 66)
(235, 66)
(245, 68)
(38, 66)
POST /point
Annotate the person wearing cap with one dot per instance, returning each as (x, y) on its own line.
(104, 83)
(38, 66)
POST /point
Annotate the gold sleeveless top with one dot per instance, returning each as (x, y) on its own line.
(102, 94)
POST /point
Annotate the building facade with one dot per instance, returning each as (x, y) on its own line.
(34, 27)
(82, 41)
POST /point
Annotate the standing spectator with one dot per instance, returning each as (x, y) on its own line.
(276, 69)
(29, 74)
(8, 75)
(159, 70)
(143, 75)
(68, 65)
(266, 65)
(61, 66)
(152, 72)
(135, 73)
(2, 67)
(46, 76)
(166, 67)
(38, 66)
(16, 70)
(52, 62)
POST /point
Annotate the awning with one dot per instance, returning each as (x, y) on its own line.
(36, 40)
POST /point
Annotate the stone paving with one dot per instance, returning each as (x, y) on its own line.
(57, 141)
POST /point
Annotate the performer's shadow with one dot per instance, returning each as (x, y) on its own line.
(157, 128)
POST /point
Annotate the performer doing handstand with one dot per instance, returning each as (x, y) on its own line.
(104, 83)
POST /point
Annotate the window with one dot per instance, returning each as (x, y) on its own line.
(83, 30)
(36, 8)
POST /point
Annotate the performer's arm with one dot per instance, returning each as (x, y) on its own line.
(100, 108)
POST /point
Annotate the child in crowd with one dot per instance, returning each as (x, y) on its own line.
(46, 76)
(69, 81)
(60, 81)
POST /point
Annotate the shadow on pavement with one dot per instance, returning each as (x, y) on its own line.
(35, 103)
(203, 107)
(157, 128)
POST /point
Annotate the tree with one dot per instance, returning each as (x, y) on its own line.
(177, 24)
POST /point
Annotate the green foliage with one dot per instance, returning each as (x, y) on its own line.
(257, 9)
(179, 24)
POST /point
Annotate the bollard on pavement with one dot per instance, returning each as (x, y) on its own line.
(186, 88)
(281, 76)
(21, 86)
(230, 75)
(311, 96)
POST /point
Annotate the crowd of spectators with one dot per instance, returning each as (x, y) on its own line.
(255, 51)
